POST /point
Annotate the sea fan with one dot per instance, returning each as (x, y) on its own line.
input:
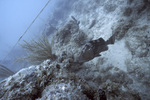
(5, 72)
(39, 50)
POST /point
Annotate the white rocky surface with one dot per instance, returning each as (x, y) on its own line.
(130, 54)
(123, 71)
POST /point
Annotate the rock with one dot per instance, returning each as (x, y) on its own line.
(63, 36)
(137, 42)
(49, 80)
(121, 30)
(127, 12)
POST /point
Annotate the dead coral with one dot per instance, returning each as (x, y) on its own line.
(46, 81)
(110, 8)
(138, 41)
(115, 92)
(127, 12)
(121, 30)
(80, 38)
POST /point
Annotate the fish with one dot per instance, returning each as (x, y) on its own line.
(75, 20)
(93, 48)
(92, 24)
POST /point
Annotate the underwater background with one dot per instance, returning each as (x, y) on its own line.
(78, 50)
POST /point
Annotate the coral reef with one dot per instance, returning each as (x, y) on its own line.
(49, 80)
(120, 73)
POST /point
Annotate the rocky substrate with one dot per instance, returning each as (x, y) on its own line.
(120, 73)
(50, 80)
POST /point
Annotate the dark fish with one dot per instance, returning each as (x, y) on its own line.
(93, 48)
(74, 19)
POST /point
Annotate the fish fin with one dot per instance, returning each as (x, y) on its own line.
(111, 40)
